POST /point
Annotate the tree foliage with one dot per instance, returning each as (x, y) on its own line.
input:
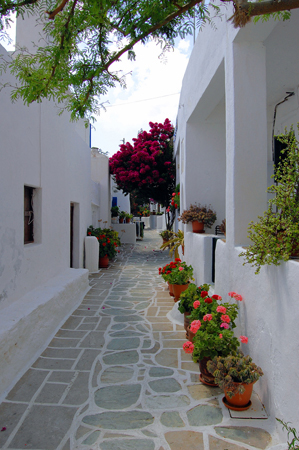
(146, 168)
(74, 61)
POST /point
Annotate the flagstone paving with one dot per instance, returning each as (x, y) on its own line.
(115, 377)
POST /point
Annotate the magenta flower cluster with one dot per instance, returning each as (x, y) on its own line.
(148, 162)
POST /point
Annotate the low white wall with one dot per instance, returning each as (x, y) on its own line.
(126, 231)
(146, 221)
(198, 253)
(28, 324)
(269, 317)
(157, 222)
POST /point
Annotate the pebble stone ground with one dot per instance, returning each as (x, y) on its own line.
(115, 377)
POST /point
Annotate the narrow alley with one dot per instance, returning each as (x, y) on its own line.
(115, 377)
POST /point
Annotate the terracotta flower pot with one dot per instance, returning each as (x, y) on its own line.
(128, 220)
(205, 376)
(121, 220)
(198, 227)
(103, 261)
(189, 334)
(240, 400)
(178, 289)
(171, 289)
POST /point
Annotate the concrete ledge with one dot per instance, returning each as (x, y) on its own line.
(126, 231)
(28, 324)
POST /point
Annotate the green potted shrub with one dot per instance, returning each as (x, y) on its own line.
(108, 240)
(129, 217)
(200, 216)
(176, 241)
(114, 214)
(275, 237)
(122, 215)
(187, 300)
(166, 235)
(179, 279)
(166, 271)
(211, 330)
(235, 374)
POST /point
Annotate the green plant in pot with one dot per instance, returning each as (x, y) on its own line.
(211, 331)
(176, 241)
(179, 278)
(108, 240)
(200, 216)
(115, 211)
(275, 237)
(122, 215)
(187, 300)
(235, 374)
(166, 235)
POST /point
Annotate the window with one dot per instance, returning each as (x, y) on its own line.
(28, 215)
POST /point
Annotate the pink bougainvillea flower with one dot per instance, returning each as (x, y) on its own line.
(207, 317)
(203, 294)
(238, 297)
(217, 297)
(221, 336)
(231, 294)
(196, 304)
(221, 309)
(181, 268)
(3, 428)
(195, 326)
(208, 300)
(188, 347)
(225, 318)
(244, 339)
(224, 325)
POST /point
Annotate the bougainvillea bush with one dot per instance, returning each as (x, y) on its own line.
(147, 166)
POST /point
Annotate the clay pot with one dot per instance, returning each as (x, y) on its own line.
(205, 376)
(128, 220)
(178, 289)
(189, 334)
(103, 262)
(121, 220)
(198, 227)
(170, 286)
(240, 400)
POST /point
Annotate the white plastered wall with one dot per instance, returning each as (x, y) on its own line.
(260, 65)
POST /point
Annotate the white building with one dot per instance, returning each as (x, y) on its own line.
(48, 200)
(234, 80)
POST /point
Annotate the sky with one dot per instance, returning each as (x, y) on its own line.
(152, 95)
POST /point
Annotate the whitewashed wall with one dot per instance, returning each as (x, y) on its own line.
(224, 157)
(38, 288)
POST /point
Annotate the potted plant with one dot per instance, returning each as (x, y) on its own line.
(235, 374)
(176, 241)
(129, 217)
(166, 235)
(222, 227)
(122, 216)
(114, 214)
(166, 271)
(211, 330)
(179, 279)
(200, 216)
(108, 240)
(187, 300)
(275, 237)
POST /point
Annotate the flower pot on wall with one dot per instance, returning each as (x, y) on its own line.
(198, 227)
(239, 401)
(128, 220)
(170, 289)
(178, 289)
(186, 322)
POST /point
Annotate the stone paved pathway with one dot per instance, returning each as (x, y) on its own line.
(115, 376)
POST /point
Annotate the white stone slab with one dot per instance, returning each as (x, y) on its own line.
(256, 411)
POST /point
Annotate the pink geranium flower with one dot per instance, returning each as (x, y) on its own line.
(221, 309)
(221, 336)
(225, 318)
(238, 297)
(195, 326)
(207, 317)
(224, 325)
(231, 294)
(244, 339)
(181, 268)
(196, 304)
(188, 347)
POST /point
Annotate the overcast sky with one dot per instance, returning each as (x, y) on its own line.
(152, 95)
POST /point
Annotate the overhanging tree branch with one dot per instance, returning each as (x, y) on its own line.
(245, 10)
